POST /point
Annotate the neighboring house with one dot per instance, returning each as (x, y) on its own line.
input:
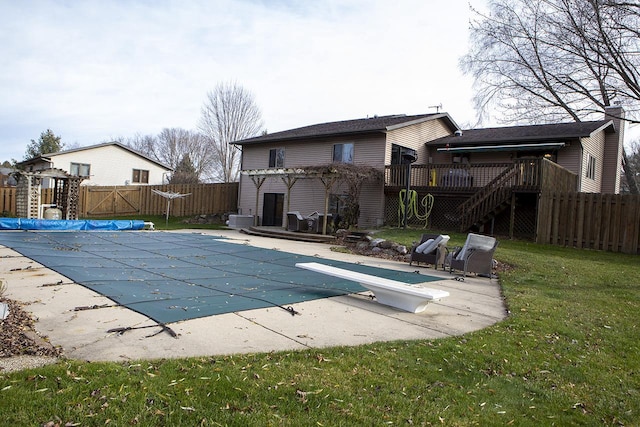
(6, 179)
(108, 164)
(462, 169)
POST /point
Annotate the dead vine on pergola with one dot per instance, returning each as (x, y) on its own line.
(352, 175)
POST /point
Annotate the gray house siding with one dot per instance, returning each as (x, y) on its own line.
(592, 147)
(415, 136)
(308, 195)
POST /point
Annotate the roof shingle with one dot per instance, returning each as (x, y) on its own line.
(523, 134)
(346, 127)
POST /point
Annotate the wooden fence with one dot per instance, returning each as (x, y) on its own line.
(7, 201)
(609, 222)
(96, 202)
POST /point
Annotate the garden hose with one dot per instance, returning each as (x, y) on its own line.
(412, 206)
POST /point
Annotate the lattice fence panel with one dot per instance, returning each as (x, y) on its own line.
(443, 214)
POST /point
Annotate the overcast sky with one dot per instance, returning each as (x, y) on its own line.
(92, 71)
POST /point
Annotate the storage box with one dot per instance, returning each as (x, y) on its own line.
(240, 221)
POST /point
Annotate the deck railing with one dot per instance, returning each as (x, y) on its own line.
(532, 175)
(446, 176)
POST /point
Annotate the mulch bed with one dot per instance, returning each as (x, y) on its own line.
(19, 337)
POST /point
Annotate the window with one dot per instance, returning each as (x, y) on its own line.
(591, 167)
(276, 158)
(343, 153)
(140, 176)
(80, 169)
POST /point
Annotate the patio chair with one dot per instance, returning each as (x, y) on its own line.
(432, 249)
(316, 222)
(297, 222)
(475, 256)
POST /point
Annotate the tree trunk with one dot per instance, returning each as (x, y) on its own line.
(629, 174)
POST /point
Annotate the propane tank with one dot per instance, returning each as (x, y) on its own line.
(52, 213)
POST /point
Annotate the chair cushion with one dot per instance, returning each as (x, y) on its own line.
(476, 241)
(430, 245)
(427, 244)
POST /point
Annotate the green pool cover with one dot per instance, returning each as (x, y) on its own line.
(171, 277)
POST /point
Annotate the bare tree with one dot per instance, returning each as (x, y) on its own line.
(145, 144)
(173, 144)
(229, 114)
(540, 61)
(631, 178)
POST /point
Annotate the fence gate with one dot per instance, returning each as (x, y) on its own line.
(111, 200)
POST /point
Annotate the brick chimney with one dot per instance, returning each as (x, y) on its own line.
(613, 146)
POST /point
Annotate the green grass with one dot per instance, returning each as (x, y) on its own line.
(568, 354)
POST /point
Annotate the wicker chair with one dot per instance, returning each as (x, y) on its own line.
(432, 249)
(475, 256)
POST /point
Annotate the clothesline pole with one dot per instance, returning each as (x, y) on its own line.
(169, 196)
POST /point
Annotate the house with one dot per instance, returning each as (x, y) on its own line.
(478, 177)
(103, 164)
(6, 179)
(375, 141)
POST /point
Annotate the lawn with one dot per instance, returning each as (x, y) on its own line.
(568, 354)
(161, 222)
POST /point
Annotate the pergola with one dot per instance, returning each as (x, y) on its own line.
(66, 189)
(327, 175)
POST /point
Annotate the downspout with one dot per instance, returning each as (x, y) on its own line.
(580, 170)
(240, 181)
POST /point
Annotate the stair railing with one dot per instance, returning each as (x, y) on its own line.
(488, 198)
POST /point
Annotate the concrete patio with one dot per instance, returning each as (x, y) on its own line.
(344, 320)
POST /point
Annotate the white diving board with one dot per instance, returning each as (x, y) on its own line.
(408, 297)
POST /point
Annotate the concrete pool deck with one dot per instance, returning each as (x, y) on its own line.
(344, 320)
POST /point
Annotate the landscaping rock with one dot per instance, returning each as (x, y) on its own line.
(401, 249)
(376, 242)
(387, 244)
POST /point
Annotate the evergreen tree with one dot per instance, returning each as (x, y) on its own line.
(185, 172)
(47, 143)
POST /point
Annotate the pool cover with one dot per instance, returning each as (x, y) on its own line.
(70, 224)
(171, 277)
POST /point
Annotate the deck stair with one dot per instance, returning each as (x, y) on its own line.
(490, 200)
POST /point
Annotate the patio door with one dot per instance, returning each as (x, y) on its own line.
(272, 209)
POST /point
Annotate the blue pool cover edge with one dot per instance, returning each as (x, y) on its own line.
(74, 224)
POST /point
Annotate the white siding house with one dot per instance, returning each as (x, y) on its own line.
(104, 164)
